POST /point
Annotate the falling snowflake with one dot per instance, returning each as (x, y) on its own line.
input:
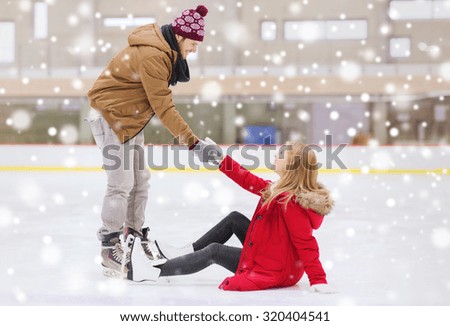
(52, 131)
(390, 202)
(441, 238)
(334, 115)
(25, 5)
(50, 254)
(69, 134)
(77, 84)
(20, 295)
(224, 196)
(351, 132)
(394, 132)
(304, 116)
(73, 20)
(239, 121)
(328, 264)
(350, 232)
(85, 9)
(6, 217)
(236, 33)
(20, 120)
(365, 97)
(349, 71)
(211, 91)
(194, 192)
(29, 191)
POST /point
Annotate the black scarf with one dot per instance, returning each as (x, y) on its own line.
(180, 68)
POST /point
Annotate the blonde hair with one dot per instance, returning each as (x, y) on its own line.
(300, 175)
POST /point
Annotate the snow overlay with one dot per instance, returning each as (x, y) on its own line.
(387, 241)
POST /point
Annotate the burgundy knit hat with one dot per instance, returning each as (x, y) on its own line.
(190, 23)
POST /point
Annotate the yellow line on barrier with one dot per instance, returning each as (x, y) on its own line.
(203, 169)
(48, 169)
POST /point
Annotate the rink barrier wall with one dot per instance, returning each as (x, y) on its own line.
(357, 159)
(256, 170)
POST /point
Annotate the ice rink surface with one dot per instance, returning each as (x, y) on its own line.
(385, 243)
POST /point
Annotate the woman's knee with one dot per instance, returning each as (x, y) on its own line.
(213, 250)
(237, 217)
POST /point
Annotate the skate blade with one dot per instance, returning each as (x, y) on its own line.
(111, 273)
(142, 267)
(157, 262)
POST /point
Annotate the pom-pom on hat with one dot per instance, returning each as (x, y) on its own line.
(190, 23)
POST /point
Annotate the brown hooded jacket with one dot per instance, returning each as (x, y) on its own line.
(135, 86)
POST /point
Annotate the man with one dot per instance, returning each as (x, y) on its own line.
(129, 92)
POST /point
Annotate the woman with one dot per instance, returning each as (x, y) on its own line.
(278, 245)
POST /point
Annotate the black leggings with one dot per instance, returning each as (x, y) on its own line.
(210, 248)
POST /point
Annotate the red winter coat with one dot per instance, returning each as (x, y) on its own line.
(279, 246)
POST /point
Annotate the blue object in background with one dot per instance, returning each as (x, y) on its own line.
(263, 135)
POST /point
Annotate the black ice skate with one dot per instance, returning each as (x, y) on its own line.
(115, 260)
(151, 249)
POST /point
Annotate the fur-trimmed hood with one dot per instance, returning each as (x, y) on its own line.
(318, 203)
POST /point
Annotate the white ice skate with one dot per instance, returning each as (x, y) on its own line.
(141, 269)
(171, 252)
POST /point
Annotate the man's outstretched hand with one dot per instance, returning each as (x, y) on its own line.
(208, 151)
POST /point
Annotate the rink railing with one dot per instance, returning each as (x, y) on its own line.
(356, 159)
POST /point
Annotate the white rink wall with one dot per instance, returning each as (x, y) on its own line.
(358, 158)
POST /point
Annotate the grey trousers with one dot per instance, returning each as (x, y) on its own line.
(127, 178)
(211, 249)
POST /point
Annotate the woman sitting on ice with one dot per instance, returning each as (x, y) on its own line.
(278, 242)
